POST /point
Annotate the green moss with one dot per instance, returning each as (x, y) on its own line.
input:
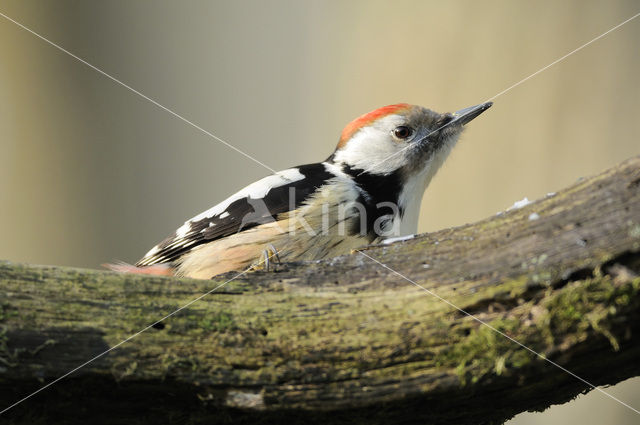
(587, 304)
(485, 351)
(7, 313)
(291, 335)
(5, 355)
(220, 321)
(570, 312)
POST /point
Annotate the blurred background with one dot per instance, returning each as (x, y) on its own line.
(91, 172)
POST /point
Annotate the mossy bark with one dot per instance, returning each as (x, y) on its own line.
(345, 340)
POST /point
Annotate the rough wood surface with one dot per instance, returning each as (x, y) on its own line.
(345, 340)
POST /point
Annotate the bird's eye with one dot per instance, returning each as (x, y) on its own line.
(403, 132)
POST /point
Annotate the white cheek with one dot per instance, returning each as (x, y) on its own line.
(373, 150)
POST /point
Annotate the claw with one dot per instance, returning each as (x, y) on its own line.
(274, 252)
(269, 255)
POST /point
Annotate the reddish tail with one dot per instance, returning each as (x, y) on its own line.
(156, 269)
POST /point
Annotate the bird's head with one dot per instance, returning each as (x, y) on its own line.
(402, 138)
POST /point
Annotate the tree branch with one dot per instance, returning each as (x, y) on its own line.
(346, 340)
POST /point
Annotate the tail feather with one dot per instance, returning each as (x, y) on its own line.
(155, 269)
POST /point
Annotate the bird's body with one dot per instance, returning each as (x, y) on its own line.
(233, 234)
(371, 187)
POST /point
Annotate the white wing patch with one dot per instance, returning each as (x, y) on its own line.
(153, 251)
(255, 190)
(184, 230)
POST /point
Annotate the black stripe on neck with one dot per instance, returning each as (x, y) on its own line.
(374, 189)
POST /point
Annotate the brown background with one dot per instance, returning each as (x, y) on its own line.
(90, 172)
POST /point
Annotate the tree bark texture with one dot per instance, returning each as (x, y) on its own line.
(345, 340)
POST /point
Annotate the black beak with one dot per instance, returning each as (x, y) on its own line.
(465, 115)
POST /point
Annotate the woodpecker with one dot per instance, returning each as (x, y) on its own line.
(369, 188)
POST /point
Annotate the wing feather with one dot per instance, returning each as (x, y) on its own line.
(258, 203)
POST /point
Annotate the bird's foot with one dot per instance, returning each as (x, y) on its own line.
(268, 260)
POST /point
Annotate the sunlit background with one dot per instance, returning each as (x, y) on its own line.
(91, 172)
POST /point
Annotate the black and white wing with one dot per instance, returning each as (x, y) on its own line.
(258, 203)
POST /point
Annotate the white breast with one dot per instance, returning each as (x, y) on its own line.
(410, 198)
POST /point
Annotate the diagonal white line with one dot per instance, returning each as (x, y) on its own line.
(560, 59)
(564, 57)
(130, 337)
(175, 114)
(411, 145)
(482, 322)
(272, 170)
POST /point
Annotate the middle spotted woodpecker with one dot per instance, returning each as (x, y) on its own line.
(370, 188)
